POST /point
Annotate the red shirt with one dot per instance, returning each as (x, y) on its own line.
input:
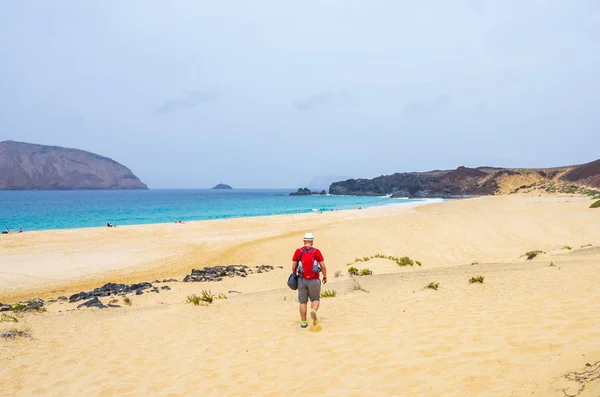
(308, 274)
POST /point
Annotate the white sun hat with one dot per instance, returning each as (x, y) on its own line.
(308, 237)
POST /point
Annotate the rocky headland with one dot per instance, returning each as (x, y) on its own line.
(26, 166)
(479, 181)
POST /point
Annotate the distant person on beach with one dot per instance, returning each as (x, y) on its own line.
(20, 230)
(109, 224)
(5, 231)
(308, 262)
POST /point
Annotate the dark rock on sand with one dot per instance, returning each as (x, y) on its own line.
(217, 273)
(110, 289)
(62, 298)
(139, 292)
(165, 287)
(140, 286)
(94, 302)
(78, 297)
(5, 308)
(34, 304)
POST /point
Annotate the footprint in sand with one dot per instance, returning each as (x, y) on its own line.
(315, 327)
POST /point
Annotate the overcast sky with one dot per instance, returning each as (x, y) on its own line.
(271, 93)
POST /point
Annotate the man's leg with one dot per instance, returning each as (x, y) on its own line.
(303, 300)
(314, 305)
(303, 311)
(314, 293)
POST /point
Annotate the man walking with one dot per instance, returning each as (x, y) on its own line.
(308, 262)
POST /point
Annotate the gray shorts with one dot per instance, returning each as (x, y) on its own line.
(309, 289)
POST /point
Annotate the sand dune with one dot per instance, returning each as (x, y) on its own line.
(516, 334)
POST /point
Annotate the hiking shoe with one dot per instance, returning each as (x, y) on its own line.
(303, 325)
(313, 315)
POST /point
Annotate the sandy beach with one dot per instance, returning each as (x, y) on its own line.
(516, 334)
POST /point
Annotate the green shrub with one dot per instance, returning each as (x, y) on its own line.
(432, 285)
(328, 293)
(476, 279)
(127, 301)
(207, 296)
(551, 264)
(366, 272)
(596, 204)
(587, 245)
(532, 254)
(567, 247)
(193, 298)
(353, 271)
(19, 307)
(405, 261)
(221, 296)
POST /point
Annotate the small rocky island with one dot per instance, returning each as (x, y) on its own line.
(306, 192)
(222, 186)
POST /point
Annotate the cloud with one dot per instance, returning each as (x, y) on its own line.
(415, 109)
(187, 99)
(321, 100)
(481, 108)
(443, 100)
(418, 108)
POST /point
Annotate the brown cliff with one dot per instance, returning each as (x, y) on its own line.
(475, 181)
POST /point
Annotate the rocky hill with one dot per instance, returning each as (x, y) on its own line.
(303, 191)
(25, 166)
(465, 181)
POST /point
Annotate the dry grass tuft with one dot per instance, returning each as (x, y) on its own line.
(7, 318)
(433, 285)
(532, 254)
(15, 332)
(476, 279)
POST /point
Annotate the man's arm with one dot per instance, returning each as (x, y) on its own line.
(324, 270)
(295, 260)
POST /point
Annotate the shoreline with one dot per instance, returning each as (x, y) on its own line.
(135, 270)
(413, 203)
(74, 260)
(149, 221)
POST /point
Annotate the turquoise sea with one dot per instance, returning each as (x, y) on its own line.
(41, 210)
